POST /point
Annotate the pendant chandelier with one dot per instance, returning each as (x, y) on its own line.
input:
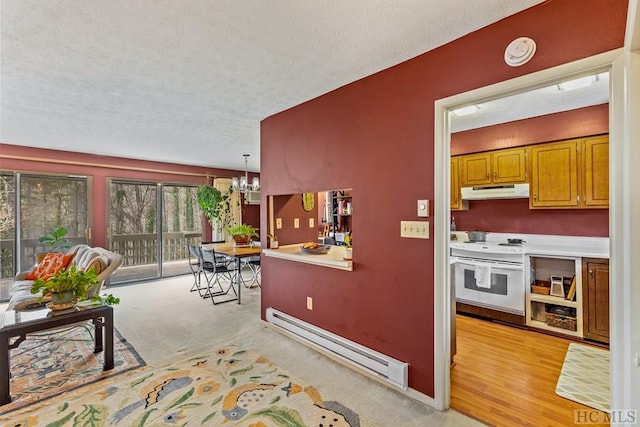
(242, 183)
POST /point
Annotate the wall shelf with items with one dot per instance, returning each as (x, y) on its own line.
(561, 313)
(342, 209)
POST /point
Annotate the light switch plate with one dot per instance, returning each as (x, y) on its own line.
(423, 208)
(312, 223)
(296, 222)
(278, 223)
(414, 229)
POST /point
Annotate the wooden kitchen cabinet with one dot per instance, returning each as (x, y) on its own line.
(595, 292)
(497, 167)
(596, 171)
(456, 198)
(570, 174)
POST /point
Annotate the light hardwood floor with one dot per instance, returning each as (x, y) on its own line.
(506, 376)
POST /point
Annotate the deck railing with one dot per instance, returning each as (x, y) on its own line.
(137, 249)
(141, 249)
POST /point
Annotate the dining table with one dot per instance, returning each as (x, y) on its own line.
(237, 252)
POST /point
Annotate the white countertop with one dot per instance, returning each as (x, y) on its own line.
(543, 244)
(332, 259)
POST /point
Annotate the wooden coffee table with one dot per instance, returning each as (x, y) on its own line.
(20, 323)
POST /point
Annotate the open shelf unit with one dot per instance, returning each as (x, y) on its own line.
(341, 213)
(541, 268)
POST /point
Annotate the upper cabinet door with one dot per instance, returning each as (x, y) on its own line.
(476, 170)
(596, 171)
(454, 185)
(554, 174)
(509, 166)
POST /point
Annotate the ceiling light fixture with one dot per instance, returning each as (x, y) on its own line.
(465, 111)
(577, 83)
(242, 183)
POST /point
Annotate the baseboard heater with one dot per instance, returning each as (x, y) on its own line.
(382, 366)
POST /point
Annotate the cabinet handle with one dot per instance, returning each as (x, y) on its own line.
(590, 274)
(535, 198)
(487, 177)
(495, 175)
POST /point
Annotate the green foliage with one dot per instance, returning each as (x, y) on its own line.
(105, 299)
(243, 230)
(56, 239)
(215, 205)
(68, 279)
(150, 220)
(190, 224)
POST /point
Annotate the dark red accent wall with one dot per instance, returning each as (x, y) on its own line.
(28, 159)
(376, 137)
(288, 208)
(251, 214)
(514, 216)
(551, 127)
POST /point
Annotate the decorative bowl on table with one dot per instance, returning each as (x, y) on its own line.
(313, 248)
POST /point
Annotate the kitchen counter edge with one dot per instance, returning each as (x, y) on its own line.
(332, 259)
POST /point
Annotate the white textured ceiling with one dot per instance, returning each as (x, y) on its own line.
(189, 81)
(538, 102)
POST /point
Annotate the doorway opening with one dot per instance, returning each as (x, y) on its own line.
(444, 311)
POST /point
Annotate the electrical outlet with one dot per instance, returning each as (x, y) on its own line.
(309, 303)
(414, 229)
(278, 223)
(296, 222)
(312, 223)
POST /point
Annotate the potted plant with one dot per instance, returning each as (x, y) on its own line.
(55, 241)
(243, 233)
(348, 251)
(215, 205)
(67, 285)
(274, 241)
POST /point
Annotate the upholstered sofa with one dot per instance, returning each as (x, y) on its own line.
(84, 257)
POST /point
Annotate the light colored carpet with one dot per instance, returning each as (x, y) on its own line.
(224, 385)
(585, 377)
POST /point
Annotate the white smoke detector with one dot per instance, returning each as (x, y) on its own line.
(519, 51)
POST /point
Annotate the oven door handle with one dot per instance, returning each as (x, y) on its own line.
(492, 264)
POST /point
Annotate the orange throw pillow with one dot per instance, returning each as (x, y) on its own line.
(50, 265)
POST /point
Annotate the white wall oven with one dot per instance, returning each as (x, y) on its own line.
(490, 275)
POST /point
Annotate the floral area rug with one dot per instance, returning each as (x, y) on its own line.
(48, 364)
(227, 386)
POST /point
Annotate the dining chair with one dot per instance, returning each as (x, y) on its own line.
(253, 263)
(195, 265)
(216, 270)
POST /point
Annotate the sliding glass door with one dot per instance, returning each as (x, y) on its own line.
(150, 225)
(7, 233)
(181, 225)
(36, 204)
(133, 230)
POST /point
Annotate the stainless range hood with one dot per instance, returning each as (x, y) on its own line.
(509, 191)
